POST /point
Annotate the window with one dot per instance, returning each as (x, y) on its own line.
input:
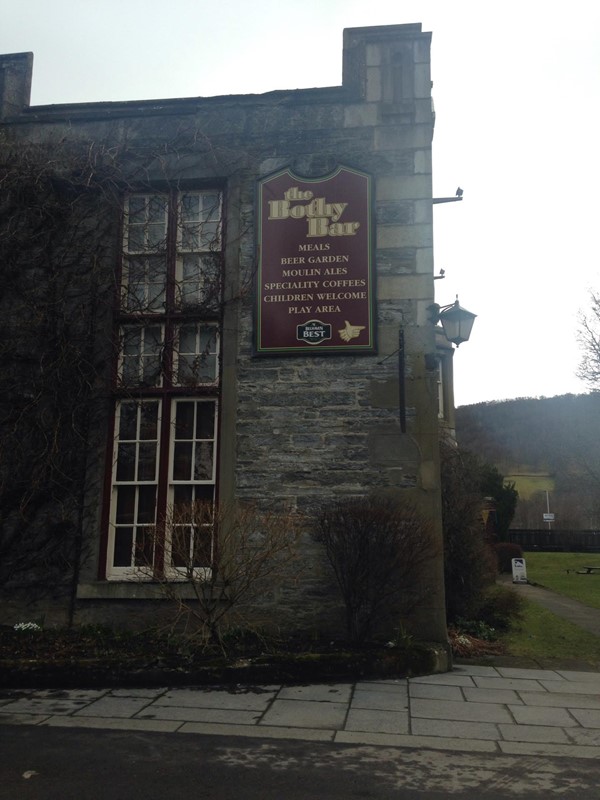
(164, 444)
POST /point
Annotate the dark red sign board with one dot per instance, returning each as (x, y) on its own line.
(314, 285)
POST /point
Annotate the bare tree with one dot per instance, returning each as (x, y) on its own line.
(215, 561)
(60, 205)
(54, 235)
(589, 340)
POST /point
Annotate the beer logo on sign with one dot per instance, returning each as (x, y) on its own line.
(313, 332)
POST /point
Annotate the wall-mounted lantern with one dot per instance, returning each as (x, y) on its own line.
(456, 321)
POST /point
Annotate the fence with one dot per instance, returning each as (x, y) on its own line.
(549, 540)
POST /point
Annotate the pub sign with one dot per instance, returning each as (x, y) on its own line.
(314, 282)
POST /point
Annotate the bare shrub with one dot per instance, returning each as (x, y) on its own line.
(216, 560)
(378, 548)
(469, 561)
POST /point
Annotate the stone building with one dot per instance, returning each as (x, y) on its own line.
(252, 279)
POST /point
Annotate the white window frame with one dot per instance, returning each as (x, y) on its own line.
(172, 571)
(130, 572)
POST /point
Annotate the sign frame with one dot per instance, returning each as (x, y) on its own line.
(315, 276)
(519, 570)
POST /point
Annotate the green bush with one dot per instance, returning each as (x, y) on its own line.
(501, 607)
(505, 552)
(476, 628)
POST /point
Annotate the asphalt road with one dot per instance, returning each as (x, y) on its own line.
(43, 763)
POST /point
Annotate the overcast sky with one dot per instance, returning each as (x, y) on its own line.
(517, 97)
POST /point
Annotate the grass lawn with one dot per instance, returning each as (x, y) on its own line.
(541, 634)
(550, 570)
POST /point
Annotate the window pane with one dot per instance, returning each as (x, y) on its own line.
(125, 505)
(147, 505)
(184, 420)
(147, 461)
(157, 208)
(181, 546)
(128, 421)
(123, 547)
(209, 234)
(199, 221)
(126, 462)
(156, 237)
(144, 280)
(147, 223)
(137, 206)
(144, 546)
(148, 420)
(182, 496)
(211, 206)
(187, 339)
(203, 541)
(190, 207)
(205, 424)
(182, 461)
(197, 355)
(135, 239)
(203, 468)
(141, 355)
(204, 493)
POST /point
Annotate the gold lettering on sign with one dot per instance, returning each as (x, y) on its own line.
(323, 218)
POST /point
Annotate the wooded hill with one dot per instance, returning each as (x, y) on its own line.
(548, 443)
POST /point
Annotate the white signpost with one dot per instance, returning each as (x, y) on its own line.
(519, 570)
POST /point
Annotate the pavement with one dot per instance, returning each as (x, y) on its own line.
(504, 707)
(473, 708)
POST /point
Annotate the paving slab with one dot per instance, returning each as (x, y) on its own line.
(456, 731)
(533, 733)
(207, 698)
(492, 696)
(195, 714)
(570, 687)
(450, 710)
(131, 692)
(435, 692)
(588, 736)
(23, 719)
(360, 719)
(113, 723)
(391, 686)
(322, 693)
(529, 674)
(43, 705)
(474, 669)
(262, 732)
(530, 715)
(114, 707)
(518, 684)
(537, 715)
(445, 679)
(560, 700)
(584, 677)
(305, 714)
(588, 718)
(385, 701)
(89, 695)
(548, 749)
(418, 742)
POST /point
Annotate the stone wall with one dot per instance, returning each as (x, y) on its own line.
(297, 432)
